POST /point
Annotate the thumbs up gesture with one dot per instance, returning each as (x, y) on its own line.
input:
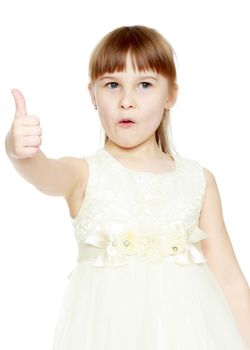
(24, 137)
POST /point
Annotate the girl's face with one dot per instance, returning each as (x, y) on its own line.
(137, 96)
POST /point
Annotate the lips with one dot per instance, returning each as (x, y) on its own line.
(126, 120)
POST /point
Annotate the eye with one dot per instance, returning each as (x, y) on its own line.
(110, 83)
(148, 84)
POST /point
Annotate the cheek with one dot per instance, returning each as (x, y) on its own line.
(153, 113)
(106, 107)
(151, 120)
(150, 124)
(106, 117)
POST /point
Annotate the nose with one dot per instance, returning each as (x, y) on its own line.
(127, 101)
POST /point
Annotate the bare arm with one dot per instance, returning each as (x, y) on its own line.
(57, 177)
(221, 257)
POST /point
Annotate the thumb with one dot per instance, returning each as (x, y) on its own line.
(20, 103)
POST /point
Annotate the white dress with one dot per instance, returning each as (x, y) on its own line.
(141, 281)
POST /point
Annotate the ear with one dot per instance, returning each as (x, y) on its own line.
(92, 93)
(172, 97)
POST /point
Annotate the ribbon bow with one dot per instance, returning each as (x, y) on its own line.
(106, 240)
(188, 252)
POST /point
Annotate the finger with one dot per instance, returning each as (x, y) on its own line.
(32, 120)
(32, 131)
(32, 141)
(20, 103)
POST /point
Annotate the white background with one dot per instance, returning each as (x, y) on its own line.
(45, 49)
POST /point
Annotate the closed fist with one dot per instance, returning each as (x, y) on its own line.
(25, 132)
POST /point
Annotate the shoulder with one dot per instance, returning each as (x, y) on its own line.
(76, 168)
(207, 173)
(209, 176)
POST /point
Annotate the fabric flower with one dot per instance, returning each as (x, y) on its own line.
(129, 243)
(121, 242)
(176, 240)
(181, 242)
(152, 244)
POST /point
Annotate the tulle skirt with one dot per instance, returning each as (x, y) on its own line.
(141, 306)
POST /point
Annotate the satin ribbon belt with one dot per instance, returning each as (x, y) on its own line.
(115, 246)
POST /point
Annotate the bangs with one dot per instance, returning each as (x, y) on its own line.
(148, 48)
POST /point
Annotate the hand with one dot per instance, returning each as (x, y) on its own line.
(25, 132)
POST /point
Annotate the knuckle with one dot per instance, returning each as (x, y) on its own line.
(38, 130)
(36, 120)
(37, 140)
(33, 119)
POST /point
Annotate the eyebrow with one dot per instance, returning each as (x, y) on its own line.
(140, 77)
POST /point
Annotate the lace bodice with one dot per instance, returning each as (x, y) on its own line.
(119, 200)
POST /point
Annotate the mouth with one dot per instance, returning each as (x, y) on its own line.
(126, 121)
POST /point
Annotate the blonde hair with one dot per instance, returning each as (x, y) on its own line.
(149, 50)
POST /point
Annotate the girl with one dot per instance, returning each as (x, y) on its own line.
(156, 269)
